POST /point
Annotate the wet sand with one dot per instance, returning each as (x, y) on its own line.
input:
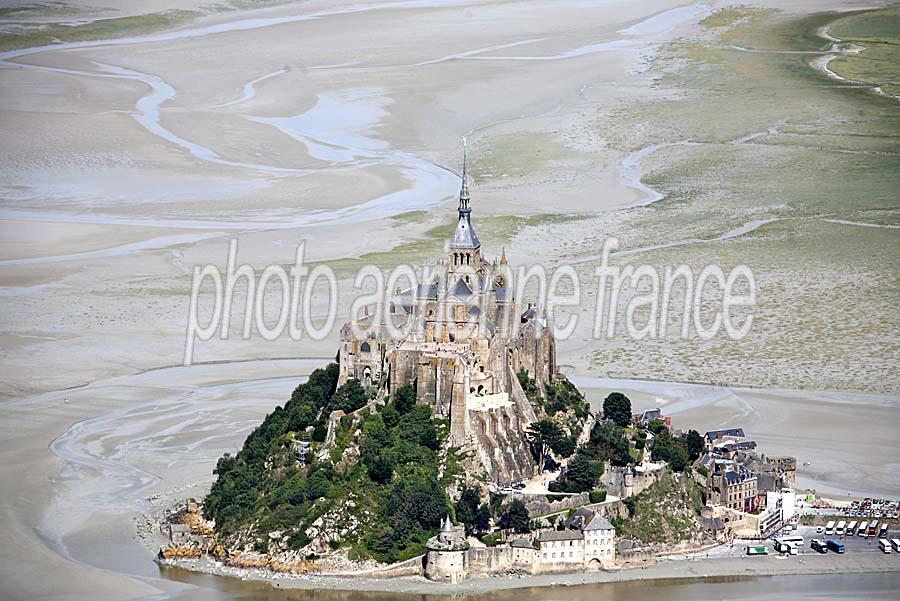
(127, 446)
(124, 164)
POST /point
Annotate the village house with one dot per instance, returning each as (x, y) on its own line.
(644, 418)
(714, 436)
(747, 494)
(586, 542)
(733, 486)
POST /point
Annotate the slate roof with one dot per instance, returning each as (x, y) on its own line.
(580, 518)
(598, 523)
(740, 474)
(427, 291)
(553, 535)
(461, 289)
(717, 434)
(465, 236)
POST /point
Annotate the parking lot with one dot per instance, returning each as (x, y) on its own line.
(852, 544)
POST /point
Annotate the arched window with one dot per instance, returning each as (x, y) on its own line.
(365, 348)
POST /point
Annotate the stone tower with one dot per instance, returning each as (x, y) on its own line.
(465, 258)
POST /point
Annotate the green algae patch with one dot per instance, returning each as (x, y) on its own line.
(875, 48)
(517, 154)
(31, 35)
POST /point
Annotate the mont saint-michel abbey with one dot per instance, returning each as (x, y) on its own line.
(464, 339)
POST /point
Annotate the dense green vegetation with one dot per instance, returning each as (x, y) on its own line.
(471, 512)
(617, 407)
(694, 443)
(392, 492)
(546, 435)
(671, 450)
(607, 443)
(515, 517)
(381, 481)
(561, 396)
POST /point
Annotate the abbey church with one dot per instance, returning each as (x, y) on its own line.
(464, 339)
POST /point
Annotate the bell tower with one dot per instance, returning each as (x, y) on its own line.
(465, 250)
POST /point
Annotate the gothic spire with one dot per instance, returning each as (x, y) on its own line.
(464, 190)
(465, 237)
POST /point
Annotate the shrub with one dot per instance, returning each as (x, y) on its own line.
(598, 495)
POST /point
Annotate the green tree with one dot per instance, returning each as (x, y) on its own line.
(515, 517)
(656, 426)
(404, 398)
(671, 450)
(617, 407)
(417, 427)
(679, 459)
(545, 435)
(565, 446)
(349, 397)
(694, 443)
(380, 469)
(582, 473)
(608, 442)
(474, 514)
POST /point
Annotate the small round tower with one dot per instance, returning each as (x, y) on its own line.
(446, 556)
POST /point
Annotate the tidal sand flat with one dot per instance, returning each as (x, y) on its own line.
(694, 132)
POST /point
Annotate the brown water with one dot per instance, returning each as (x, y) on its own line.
(832, 587)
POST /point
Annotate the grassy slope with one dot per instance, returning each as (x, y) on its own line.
(664, 513)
